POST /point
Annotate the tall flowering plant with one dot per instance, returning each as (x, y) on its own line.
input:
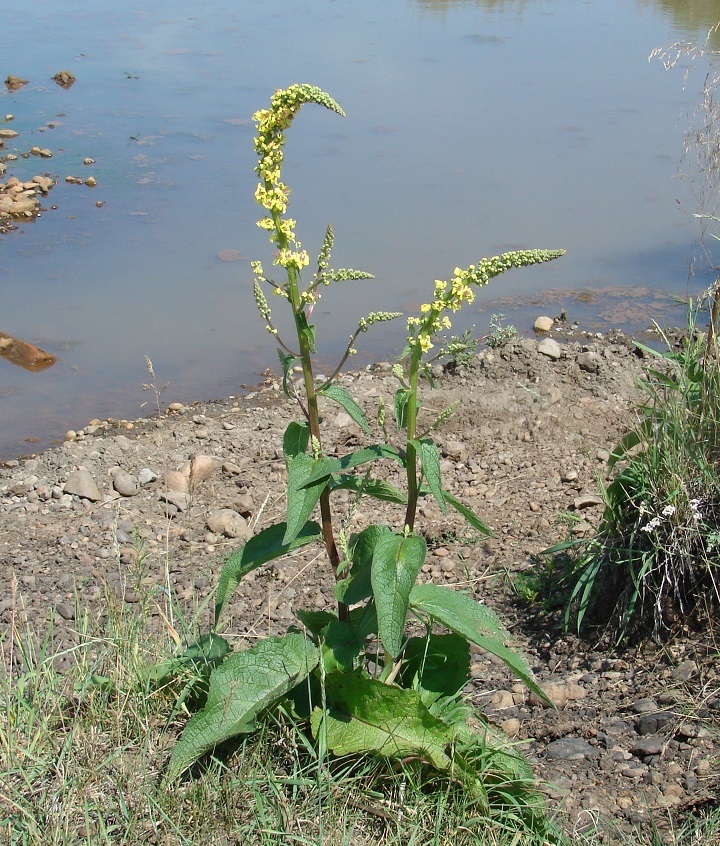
(383, 671)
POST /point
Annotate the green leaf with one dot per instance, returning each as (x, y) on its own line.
(639, 435)
(265, 546)
(207, 652)
(286, 361)
(295, 440)
(315, 621)
(475, 622)
(431, 467)
(438, 663)
(302, 494)
(468, 514)
(246, 684)
(355, 459)
(365, 715)
(306, 330)
(376, 488)
(396, 562)
(357, 586)
(343, 398)
(341, 646)
(402, 396)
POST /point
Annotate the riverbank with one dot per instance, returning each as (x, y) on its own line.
(120, 512)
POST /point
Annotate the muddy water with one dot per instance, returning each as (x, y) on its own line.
(472, 128)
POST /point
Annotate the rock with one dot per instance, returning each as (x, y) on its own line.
(555, 692)
(647, 746)
(645, 706)
(502, 699)
(202, 467)
(81, 483)
(146, 476)
(587, 501)
(179, 499)
(589, 362)
(543, 324)
(570, 749)
(126, 484)
(64, 78)
(685, 671)
(65, 610)
(44, 183)
(550, 348)
(91, 182)
(511, 727)
(8, 133)
(225, 521)
(177, 481)
(13, 82)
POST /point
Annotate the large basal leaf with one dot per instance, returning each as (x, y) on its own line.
(343, 398)
(468, 514)
(357, 586)
(242, 687)
(463, 615)
(302, 495)
(263, 547)
(438, 663)
(365, 715)
(396, 562)
(207, 652)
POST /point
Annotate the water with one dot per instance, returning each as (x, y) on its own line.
(472, 128)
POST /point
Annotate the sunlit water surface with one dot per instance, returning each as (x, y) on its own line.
(472, 128)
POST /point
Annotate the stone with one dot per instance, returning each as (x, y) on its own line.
(64, 78)
(555, 692)
(571, 749)
(589, 362)
(202, 467)
(587, 501)
(549, 347)
(126, 484)
(65, 610)
(91, 182)
(511, 727)
(13, 82)
(543, 324)
(225, 521)
(179, 499)
(646, 746)
(177, 481)
(685, 671)
(8, 133)
(81, 483)
(146, 476)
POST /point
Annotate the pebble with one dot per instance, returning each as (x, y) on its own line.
(146, 476)
(81, 483)
(177, 481)
(543, 324)
(685, 671)
(549, 347)
(126, 484)
(225, 521)
(571, 749)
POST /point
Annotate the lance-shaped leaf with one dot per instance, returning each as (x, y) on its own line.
(376, 488)
(475, 622)
(438, 663)
(468, 514)
(355, 459)
(265, 546)
(286, 361)
(295, 440)
(365, 715)
(302, 495)
(396, 562)
(402, 397)
(246, 684)
(431, 468)
(343, 398)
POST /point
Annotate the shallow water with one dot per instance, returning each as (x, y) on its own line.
(472, 128)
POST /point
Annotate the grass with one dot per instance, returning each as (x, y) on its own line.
(82, 753)
(652, 567)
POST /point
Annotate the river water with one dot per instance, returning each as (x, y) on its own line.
(472, 128)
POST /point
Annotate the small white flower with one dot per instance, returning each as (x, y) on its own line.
(668, 511)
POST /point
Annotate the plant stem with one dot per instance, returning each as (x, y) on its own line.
(312, 412)
(411, 452)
